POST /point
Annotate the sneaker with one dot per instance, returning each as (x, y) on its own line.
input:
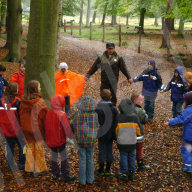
(55, 176)
(143, 168)
(68, 178)
(188, 169)
(21, 167)
(123, 177)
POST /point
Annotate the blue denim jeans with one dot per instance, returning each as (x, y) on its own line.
(186, 150)
(86, 165)
(11, 142)
(149, 106)
(105, 152)
(127, 161)
(177, 108)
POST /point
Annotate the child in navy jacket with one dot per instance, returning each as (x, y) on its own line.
(151, 84)
(186, 119)
(3, 82)
(178, 87)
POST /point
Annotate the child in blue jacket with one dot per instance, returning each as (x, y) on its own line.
(186, 119)
(3, 82)
(151, 84)
(178, 87)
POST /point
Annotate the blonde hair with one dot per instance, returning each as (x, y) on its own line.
(188, 75)
(11, 91)
(134, 96)
(32, 90)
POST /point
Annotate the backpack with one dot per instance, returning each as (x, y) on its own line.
(9, 123)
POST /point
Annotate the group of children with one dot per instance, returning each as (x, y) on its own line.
(29, 117)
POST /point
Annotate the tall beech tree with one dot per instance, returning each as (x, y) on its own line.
(41, 48)
(14, 30)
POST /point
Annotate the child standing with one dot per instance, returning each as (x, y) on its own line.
(32, 114)
(57, 129)
(188, 78)
(85, 124)
(9, 123)
(143, 118)
(19, 78)
(151, 83)
(107, 114)
(3, 82)
(178, 87)
(127, 132)
(186, 119)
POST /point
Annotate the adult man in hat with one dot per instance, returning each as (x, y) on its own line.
(110, 63)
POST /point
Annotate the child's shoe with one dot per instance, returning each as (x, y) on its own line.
(188, 169)
(130, 175)
(123, 177)
(107, 170)
(55, 176)
(142, 166)
(100, 171)
(68, 178)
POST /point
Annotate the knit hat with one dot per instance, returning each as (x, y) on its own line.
(188, 98)
(138, 99)
(152, 63)
(63, 65)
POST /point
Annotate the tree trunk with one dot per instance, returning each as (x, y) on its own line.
(41, 47)
(58, 33)
(88, 13)
(114, 16)
(156, 22)
(14, 30)
(81, 13)
(181, 28)
(104, 13)
(94, 16)
(3, 12)
(167, 29)
(163, 22)
(142, 17)
(127, 19)
(173, 24)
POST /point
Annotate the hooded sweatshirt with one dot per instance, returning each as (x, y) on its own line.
(128, 126)
(85, 122)
(57, 125)
(32, 115)
(151, 81)
(178, 86)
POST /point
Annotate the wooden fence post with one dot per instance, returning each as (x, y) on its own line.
(80, 27)
(90, 36)
(71, 27)
(64, 25)
(103, 40)
(119, 35)
(139, 44)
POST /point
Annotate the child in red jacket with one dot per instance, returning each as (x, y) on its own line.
(19, 78)
(57, 129)
(10, 127)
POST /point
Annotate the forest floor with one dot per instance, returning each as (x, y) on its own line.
(162, 144)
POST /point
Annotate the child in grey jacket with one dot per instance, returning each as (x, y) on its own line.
(143, 118)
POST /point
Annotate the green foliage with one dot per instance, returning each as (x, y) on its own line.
(71, 7)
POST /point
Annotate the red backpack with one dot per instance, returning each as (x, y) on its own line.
(9, 122)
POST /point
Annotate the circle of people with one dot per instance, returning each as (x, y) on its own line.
(25, 119)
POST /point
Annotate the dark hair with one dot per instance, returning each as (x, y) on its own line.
(11, 91)
(105, 94)
(2, 68)
(32, 90)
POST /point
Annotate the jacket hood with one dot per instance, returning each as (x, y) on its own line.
(87, 104)
(126, 106)
(30, 103)
(179, 70)
(57, 102)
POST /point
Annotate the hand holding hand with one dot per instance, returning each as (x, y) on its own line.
(166, 123)
(130, 81)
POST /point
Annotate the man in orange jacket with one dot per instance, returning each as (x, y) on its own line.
(68, 84)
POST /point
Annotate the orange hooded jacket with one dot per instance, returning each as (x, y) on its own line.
(69, 84)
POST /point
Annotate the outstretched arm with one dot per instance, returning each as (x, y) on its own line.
(94, 68)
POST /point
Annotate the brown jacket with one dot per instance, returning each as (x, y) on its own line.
(109, 68)
(32, 115)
